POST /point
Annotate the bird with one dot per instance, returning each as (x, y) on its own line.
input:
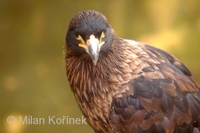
(127, 86)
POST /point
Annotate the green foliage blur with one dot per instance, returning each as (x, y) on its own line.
(32, 35)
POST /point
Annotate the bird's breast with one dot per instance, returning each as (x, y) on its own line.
(90, 87)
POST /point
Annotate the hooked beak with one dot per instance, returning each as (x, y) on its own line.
(93, 48)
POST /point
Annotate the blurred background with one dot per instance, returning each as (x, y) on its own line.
(32, 36)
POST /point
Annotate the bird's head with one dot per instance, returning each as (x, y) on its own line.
(89, 33)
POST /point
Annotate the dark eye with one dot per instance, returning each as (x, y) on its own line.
(104, 31)
(76, 34)
(99, 33)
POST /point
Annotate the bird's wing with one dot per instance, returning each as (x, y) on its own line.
(150, 103)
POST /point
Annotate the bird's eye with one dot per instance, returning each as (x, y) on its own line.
(76, 35)
(80, 38)
(102, 35)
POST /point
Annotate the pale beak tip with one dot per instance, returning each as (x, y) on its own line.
(95, 59)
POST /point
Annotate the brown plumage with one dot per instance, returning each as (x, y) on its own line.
(124, 86)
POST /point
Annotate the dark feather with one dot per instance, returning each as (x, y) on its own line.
(134, 87)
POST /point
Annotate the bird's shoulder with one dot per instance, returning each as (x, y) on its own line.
(139, 59)
(160, 91)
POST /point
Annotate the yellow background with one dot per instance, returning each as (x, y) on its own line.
(32, 36)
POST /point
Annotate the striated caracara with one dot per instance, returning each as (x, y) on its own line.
(124, 86)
